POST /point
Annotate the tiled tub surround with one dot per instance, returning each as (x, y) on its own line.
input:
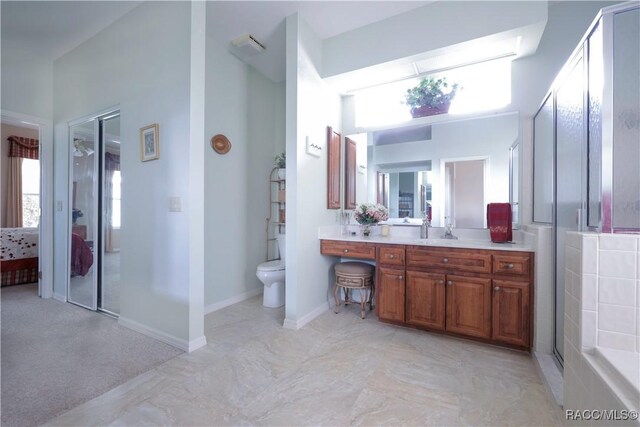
(602, 322)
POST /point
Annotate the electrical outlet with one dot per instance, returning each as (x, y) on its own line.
(175, 204)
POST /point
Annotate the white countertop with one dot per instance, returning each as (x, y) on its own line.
(523, 244)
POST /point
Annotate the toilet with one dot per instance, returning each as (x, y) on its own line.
(271, 273)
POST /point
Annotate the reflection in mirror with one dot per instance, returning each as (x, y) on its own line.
(84, 198)
(543, 160)
(109, 294)
(406, 194)
(514, 183)
(453, 168)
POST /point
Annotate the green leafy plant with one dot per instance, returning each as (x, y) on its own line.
(431, 92)
(280, 161)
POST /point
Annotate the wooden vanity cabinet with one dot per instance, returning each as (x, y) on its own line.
(510, 312)
(425, 299)
(477, 293)
(348, 249)
(390, 294)
(469, 306)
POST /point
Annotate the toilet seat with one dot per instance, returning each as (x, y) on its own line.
(276, 265)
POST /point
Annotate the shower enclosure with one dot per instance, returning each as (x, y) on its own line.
(587, 142)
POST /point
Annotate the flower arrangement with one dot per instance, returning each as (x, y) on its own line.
(431, 96)
(369, 213)
(280, 161)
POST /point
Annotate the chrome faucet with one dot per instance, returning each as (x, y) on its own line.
(424, 228)
(448, 230)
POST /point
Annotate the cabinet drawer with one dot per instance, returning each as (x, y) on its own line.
(348, 249)
(450, 259)
(391, 255)
(512, 264)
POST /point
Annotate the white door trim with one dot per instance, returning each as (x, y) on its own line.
(45, 238)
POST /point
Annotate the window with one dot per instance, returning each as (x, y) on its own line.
(115, 200)
(30, 192)
(483, 86)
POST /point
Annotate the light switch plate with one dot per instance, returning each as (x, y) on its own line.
(175, 204)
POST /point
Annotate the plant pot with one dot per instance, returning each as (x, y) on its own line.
(282, 173)
(426, 110)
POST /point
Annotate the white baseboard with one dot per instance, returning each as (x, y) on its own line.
(233, 300)
(184, 345)
(197, 343)
(59, 297)
(297, 324)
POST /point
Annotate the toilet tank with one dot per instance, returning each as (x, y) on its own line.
(281, 246)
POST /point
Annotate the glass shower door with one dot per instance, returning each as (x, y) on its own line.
(570, 142)
(84, 204)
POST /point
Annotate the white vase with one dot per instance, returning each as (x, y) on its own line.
(282, 173)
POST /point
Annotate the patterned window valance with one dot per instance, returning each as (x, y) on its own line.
(111, 162)
(27, 148)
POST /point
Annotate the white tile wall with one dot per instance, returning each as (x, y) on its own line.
(589, 291)
(602, 302)
(617, 318)
(617, 242)
(618, 264)
(617, 291)
(616, 340)
(590, 254)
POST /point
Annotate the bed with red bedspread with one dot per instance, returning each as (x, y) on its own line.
(18, 256)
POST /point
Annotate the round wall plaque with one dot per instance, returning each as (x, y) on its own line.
(220, 144)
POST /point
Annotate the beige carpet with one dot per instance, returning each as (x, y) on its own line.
(56, 356)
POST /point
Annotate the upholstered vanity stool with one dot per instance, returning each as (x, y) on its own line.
(354, 275)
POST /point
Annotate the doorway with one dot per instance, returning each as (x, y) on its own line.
(465, 193)
(20, 205)
(95, 195)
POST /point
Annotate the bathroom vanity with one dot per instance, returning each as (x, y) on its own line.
(469, 288)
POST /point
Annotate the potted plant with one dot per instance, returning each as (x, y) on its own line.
(368, 214)
(280, 161)
(431, 96)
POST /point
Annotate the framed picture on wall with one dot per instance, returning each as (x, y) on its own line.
(149, 142)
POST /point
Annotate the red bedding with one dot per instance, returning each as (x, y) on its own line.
(81, 256)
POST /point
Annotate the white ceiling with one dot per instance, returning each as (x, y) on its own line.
(227, 20)
(53, 28)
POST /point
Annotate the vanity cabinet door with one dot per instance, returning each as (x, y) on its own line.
(390, 294)
(426, 299)
(333, 169)
(469, 306)
(511, 312)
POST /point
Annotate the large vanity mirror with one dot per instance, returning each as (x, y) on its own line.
(448, 171)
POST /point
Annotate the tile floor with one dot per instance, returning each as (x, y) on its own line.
(338, 370)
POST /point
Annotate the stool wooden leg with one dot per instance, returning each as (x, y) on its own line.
(335, 295)
(363, 301)
(371, 293)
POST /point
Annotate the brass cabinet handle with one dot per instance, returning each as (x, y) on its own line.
(441, 282)
(510, 266)
(390, 256)
(449, 282)
(446, 260)
(346, 251)
(400, 277)
(497, 288)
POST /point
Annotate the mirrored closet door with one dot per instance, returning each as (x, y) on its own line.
(95, 188)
